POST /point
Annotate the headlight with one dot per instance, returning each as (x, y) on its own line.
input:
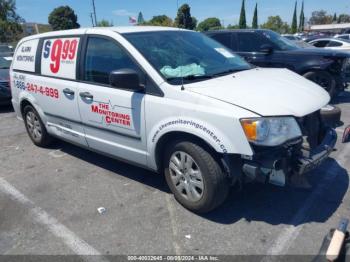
(270, 131)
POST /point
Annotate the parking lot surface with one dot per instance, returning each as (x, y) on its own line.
(49, 200)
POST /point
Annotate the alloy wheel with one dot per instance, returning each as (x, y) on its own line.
(34, 126)
(186, 176)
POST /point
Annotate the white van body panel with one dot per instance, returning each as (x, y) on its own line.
(206, 118)
(280, 92)
(210, 110)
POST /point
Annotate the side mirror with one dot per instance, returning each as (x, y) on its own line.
(266, 49)
(125, 79)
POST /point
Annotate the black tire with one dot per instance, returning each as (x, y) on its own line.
(325, 80)
(44, 139)
(216, 184)
(331, 115)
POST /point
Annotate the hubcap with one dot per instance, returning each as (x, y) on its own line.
(34, 126)
(186, 176)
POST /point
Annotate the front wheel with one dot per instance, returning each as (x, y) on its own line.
(195, 177)
(323, 79)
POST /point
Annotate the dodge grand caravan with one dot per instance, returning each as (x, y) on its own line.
(173, 101)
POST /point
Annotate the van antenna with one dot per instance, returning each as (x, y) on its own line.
(182, 78)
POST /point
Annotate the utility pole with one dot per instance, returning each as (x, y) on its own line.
(94, 11)
(223, 23)
(92, 20)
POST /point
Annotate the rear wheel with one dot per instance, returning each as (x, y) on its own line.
(323, 79)
(35, 127)
(195, 177)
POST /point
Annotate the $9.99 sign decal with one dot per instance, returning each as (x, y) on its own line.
(59, 57)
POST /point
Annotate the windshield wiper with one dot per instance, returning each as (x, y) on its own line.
(230, 71)
(194, 77)
(191, 77)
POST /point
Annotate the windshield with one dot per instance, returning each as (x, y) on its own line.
(281, 42)
(185, 55)
(5, 62)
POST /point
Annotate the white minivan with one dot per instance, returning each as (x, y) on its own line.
(173, 101)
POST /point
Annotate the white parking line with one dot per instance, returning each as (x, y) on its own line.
(70, 239)
(287, 237)
(173, 223)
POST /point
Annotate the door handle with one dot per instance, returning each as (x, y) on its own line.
(86, 95)
(68, 91)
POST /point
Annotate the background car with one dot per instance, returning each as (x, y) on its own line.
(265, 48)
(316, 35)
(292, 37)
(6, 50)
(332, 43)
(343, 36)
(297, 40)
(5, 90)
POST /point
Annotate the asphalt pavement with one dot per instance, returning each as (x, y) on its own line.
(49, 200)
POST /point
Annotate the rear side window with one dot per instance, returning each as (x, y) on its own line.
(251, 42)
(344, 37)
(102, 57)
(321, 43)
(59, 57)
(334, 44)
(25, 56)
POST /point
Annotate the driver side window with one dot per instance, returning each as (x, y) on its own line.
(102, 57)
(251, 42)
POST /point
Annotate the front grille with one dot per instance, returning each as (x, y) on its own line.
(311, 127)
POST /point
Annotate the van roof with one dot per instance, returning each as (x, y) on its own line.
(118, 29)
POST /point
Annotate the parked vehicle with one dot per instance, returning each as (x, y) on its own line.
(173, 101)
(331, 43)
(292, 38)
(6, 50)
(265, 48)
(315, 35)
(343, 36)
(297, 41)
(5, 91)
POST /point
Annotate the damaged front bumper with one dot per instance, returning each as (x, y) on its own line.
(276, 165)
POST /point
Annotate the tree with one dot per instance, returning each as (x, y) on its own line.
(62, 18)
(294, 28)
(302, 19)
(140, 19)
(211, 23)
(194, 22)
(184, 18)
(242, 18)
(104, 23)
(255, 17)
(10, 27)
(232, 26)
(335, 18)
(160, 20)
(343, 18)
(275, 23)
(320, 18)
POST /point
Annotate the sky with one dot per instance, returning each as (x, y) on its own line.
(118, 11)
